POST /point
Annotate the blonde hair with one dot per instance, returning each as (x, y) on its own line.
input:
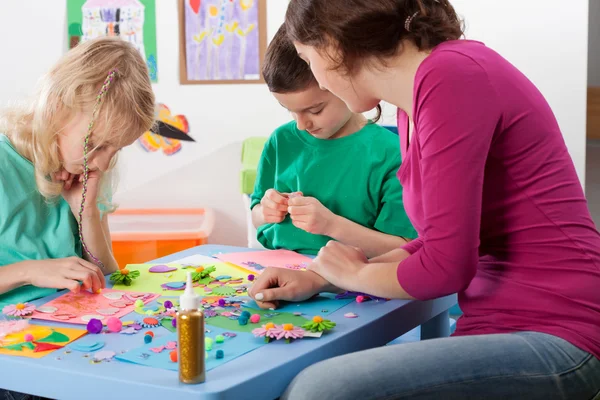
(71, 87)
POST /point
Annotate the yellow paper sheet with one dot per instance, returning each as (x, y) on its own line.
(39, 332)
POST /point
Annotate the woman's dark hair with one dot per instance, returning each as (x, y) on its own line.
(360, 30)
(285, 72)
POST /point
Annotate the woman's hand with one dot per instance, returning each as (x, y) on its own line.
(64, 273)
(340, 264)
(275, 284)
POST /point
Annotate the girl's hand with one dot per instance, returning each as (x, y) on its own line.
(310, 215)
(340, 264)
(73, 188)
(64, 273)
(274, 206)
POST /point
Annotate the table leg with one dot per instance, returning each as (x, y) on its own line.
(436, 327)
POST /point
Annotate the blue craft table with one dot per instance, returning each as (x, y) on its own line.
(260, 374)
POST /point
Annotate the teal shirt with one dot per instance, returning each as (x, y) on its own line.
(30, 227)
(354, 177)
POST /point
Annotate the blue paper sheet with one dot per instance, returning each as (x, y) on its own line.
(323, 304)
(232, 348)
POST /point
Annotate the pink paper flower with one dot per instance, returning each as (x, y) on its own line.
(286, 331)
(264, 331)
(18, 310)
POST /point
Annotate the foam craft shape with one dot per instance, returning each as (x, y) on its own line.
(324, 304)
(45, 340)
(85, 305)
(161, 268)
(267, 258)
(232, 325)
(151, 282)
(232, 348)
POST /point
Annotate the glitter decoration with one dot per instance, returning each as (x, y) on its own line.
(86, 169)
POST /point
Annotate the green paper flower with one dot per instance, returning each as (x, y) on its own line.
(124, 276)
(318, 324)
(205, 273)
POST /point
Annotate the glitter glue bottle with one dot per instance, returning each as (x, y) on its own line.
(190, 333)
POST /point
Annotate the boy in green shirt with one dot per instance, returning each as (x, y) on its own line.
(320, 176)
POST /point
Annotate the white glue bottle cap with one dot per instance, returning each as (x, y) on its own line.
(189, 300)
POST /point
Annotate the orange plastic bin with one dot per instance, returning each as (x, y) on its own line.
(142, 235)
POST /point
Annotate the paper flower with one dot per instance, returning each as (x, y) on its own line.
(18, 310)
(264, 331)
(202, 273)
(150, 322)
(124, 276)
(318, 324)
(287, 332)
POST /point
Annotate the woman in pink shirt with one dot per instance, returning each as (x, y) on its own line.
(492, 191)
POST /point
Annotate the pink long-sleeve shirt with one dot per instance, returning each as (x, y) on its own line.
(492, 191)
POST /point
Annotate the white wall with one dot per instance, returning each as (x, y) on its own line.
(543, 38)
(594, 44)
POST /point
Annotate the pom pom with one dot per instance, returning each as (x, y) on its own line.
(139, 303)
(360, 299)
(174, 322)
(199, 269)
(243, 321)
(269, 325)
(220, 354)
(173, 356)
(221, 302)
(255, 318)
(288, 327)
(94, 326)
(124, 271)
(317, 319)
(208, 343)
(29, 337)
(219, 338)
(245, 314)
(114, 324)
(251, 277)
(149, 333)
(168, 304)
(147, 339)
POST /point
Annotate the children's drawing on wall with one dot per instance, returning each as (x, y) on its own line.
(131, 20)
(168, 134)
(224, 40)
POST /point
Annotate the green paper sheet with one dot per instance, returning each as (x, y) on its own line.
(150, 282)
(233, 325)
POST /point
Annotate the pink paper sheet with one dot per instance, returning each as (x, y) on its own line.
(256, 261)
(77, 308)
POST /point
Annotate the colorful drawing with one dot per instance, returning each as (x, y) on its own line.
(224, 40)
(79, 308)
(168, 133)
(256, 261)
(37, 341)
(132, 20)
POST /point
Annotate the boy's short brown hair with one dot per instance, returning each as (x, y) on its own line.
(283, 70)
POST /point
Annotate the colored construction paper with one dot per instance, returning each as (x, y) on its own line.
(173, 283)
(256, 261)
(322, 305)
(275, 317)
(232, 347)
(79, 308)
(45, 340)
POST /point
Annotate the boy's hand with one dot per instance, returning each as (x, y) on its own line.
(274, 206)
(309, 214)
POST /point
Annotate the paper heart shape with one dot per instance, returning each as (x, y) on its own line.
(118, 304)
(136, 295)
(176, 285)
(46, 309)
(107, 311)
(113, 295)
(161, 269)
(86, 318)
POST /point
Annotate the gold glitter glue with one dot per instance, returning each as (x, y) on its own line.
(190, 333)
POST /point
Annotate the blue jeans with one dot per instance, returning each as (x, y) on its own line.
(525, 365)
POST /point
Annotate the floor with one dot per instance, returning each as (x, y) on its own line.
(592, 179)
